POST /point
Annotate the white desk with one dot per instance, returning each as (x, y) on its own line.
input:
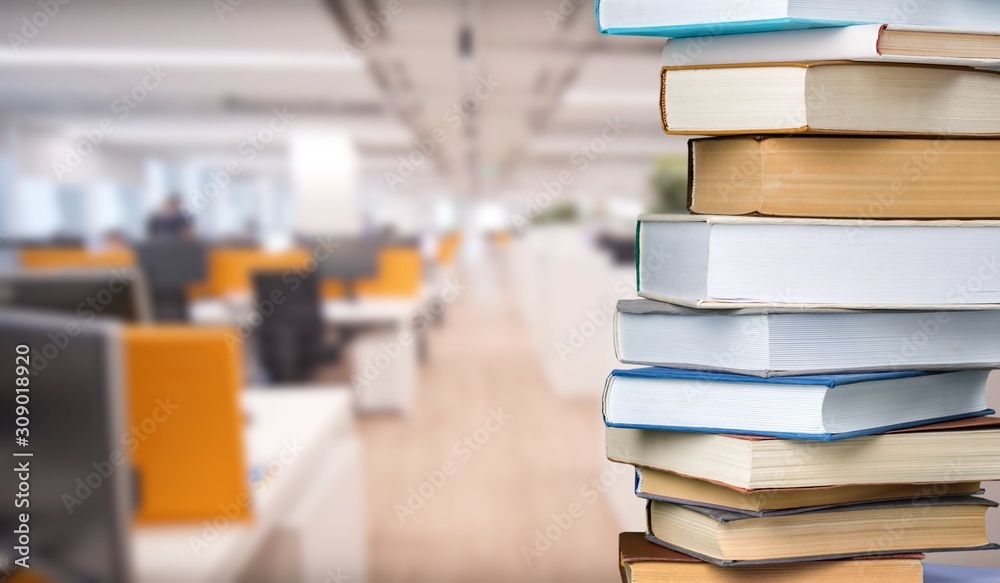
(307, 514)
(237, 308)
(384, 379)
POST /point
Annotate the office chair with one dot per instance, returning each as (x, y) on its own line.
(170, 267)
(291, 340)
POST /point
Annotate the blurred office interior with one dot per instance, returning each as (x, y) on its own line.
(321, 290)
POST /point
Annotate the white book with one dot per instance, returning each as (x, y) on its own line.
(885, 43)
(785, 342)
(736, 262)
(812, 407)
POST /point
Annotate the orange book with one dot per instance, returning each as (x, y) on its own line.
(845, 177)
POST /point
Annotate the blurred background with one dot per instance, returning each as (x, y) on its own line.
(322, 290)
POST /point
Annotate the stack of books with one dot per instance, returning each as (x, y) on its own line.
(819, 331)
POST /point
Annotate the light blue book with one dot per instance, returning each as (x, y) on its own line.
(815, 407)
(950, 574)
(688, 18)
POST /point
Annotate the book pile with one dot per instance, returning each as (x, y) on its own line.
(819, 331)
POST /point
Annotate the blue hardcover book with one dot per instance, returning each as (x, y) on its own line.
(686, 18)
(815, 407)
(951, 574)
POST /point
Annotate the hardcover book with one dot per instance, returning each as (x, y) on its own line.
(815, 407)
(734, 262)
(670, 487)
(782, 341)
(731, 539)
(886, 43)
(845, 177)
(644, 562)
(679, 18)
(943, 453)
(831, 98)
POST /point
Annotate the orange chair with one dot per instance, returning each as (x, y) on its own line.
(73, 258)
(448, 248)
(399, 274)
(230, 270)
(185, 427)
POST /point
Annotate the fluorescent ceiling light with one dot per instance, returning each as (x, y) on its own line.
(180, 59)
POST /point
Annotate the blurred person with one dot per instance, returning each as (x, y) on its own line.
(170, 222)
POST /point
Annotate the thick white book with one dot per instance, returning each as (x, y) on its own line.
(884, 43)
(687, 18)
(786, 341)
(738, 262)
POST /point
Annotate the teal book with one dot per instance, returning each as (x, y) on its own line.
(684, 18)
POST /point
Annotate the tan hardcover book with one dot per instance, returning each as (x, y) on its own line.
(943, 453)
(671, 487)
(732, 539)
(830, 97)
(846, 177)
(645, 562)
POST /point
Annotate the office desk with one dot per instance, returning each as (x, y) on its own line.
(384, 378)
(308, 506)
(236, 309)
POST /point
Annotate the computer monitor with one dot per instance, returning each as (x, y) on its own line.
(621, 248)
(86, 294)
(346, 259)
(170, 267)
(80, 500)
(10, 258)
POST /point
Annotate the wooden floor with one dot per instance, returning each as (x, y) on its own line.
(481, 521)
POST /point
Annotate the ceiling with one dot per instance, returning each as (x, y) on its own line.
(507, 92)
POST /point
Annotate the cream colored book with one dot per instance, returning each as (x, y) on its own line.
(670, 487)
(830, 97)
(730, 539)
(943, 453)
